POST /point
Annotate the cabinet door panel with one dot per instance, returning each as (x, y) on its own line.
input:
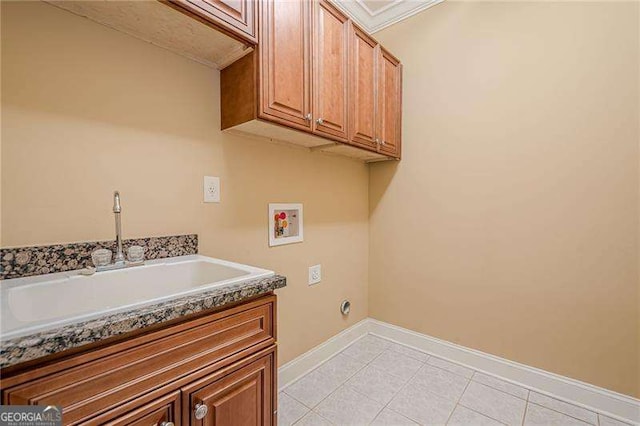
(331, 41)
(363, 86)
(285, 62)
(96, 386)
(389, 104)
(241, 398)
(166, 409)
(237, 16)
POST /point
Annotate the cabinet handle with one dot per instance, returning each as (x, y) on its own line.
(383, 143)
(200, 411)
(377, 141)
(308, 117)
(167, 424)
(320, 121)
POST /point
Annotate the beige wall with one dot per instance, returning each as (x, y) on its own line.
(511, 224)
(86, 110)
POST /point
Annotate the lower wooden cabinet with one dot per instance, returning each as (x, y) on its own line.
(160, 412)
(214, 369)
(244, 397)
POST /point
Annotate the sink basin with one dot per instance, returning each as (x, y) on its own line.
(32, 304)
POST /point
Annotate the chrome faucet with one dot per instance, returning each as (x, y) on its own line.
(102, 257)
(117, 209)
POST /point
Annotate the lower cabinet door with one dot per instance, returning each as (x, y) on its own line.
(241, 397)
(164, 411)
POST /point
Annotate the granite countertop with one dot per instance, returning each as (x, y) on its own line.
(26, 348)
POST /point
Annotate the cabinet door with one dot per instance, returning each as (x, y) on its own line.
(160, 412)
(89, 384)
(237, 16)
(243, 397)
(331, 42)
(389, 104)
(285, 66)
(362, 89)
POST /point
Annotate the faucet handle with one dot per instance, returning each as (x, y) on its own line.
(101, 257)
(135, 254)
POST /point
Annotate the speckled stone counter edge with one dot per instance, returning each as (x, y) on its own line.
(37, 345)
(16, 262)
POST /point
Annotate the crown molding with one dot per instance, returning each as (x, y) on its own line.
(392, 13)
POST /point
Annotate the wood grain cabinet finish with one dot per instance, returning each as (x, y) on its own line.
(320, 74)
(363, 90)
(244, 397)
(160, 412)
(389, 103)
(285, 63)
(235, 17)
(138, 380)
(330, 70)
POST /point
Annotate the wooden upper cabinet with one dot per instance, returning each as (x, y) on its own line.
(389, 103)
(327, 83)
(285, 63)
(241, 398)
(331, 54)
(237, 17)
(363, 89)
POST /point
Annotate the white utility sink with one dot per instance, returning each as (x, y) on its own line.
(32, 304)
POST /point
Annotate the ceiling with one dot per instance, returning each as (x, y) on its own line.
(374, 15)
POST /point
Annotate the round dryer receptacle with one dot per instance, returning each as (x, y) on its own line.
(345, 307)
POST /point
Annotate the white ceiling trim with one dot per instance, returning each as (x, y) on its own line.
(388, 5)
(392, 13)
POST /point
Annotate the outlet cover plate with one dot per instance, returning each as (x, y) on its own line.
(315, 274)
(211, 189)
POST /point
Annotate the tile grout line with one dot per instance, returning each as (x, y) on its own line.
(469, 380)
(524, 415)
(598, 412)
(527, 402)
(529, 390)
(320, 365)
(369, 364)
(332, 392)
(597, 423)
(343, 383)
(569, 415)
(459, 398)
(498, 390)
(471, 409)
(311, 371)
(402, 388)
(482, 414)
(449, 371)
(474, 372)
(423, 364)
(299, 402)
(312, 412)
(526, 407)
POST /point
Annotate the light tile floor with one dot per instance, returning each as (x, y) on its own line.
(378, 382)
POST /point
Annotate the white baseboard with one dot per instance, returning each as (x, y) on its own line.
(609, 403)
(298, 367)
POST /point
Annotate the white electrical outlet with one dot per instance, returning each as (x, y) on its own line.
(211, 189)
(315, 274)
